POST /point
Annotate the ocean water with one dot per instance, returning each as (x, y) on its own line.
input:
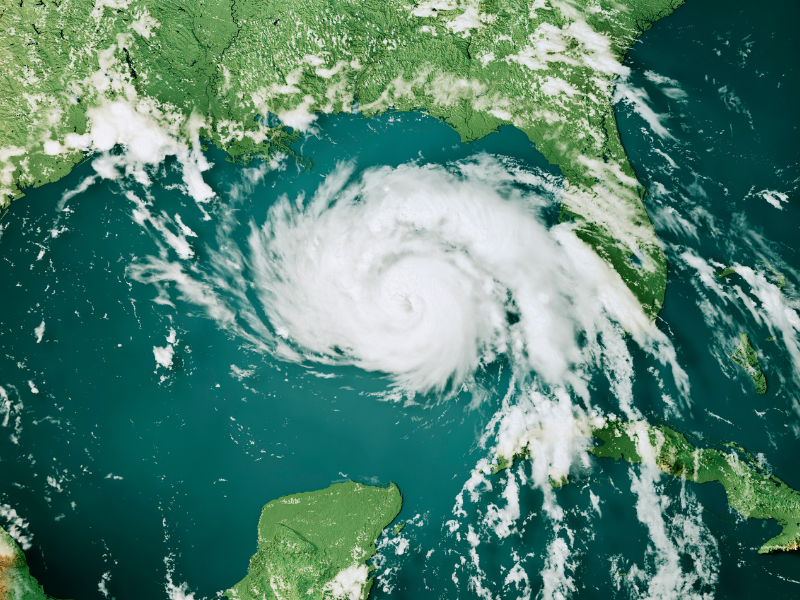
(134, 480)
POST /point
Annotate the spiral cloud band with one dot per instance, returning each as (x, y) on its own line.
(425, 273)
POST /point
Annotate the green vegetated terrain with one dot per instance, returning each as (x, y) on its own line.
(752, 492)
(16, 581)
(250, 74)
(776, 276)
(745, 356)
(315, 545)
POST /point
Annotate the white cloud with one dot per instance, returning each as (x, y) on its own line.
(163, 355)
(467, 18)
(299, 117)
(553, 86)
(179, 591)
(172, 232)
(424, 273)
(410, 270)
(349, 583)
(669, 87)
(100, 5)
(502, 520)
(672, 540)
(242, 374)
(558, 583)
(16, 526)
(144, 23)
(11, 412)
(39, 331)
(7, 167)
(447, 89)
(734, 103)
(80, 189)
(547, 44)
(729, 308)
(640, 101)
(661, 79)
(147, 136)
(102, 585)
(519, 578)
(595, 500)
(774, 198)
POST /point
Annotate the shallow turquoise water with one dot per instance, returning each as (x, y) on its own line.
(117, 469)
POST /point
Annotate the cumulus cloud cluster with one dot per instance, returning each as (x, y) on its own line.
(756, 300)
(146, 133)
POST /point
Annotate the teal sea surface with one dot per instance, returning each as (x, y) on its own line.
(126, 478)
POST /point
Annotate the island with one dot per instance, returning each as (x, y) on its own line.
(315, 545)
(750, 490)
(745, 356)
(80, 78)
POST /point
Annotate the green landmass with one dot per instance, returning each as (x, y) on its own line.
(752, 492)
(502, 463)
(248, 75)
(16, 581)
(780, 279)
(745, 356)
(315, 545)
(398, 528)
(769, 339)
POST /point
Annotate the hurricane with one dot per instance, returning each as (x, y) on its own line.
(453, 300)
(427, 273)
